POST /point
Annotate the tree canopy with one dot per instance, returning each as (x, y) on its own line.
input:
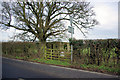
(42, 20)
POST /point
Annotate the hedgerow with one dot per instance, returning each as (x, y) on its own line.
(106, 51)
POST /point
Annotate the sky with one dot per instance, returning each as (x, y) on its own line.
(107, 15)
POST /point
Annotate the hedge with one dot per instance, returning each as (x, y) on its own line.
(98, 52)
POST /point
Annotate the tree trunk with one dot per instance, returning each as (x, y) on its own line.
(41, 49)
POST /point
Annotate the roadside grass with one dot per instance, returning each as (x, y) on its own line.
(17, 57)
(101, 68)
(56, 62)
(109, 69)
(91, 67)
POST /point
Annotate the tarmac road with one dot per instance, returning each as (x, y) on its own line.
(12, 68)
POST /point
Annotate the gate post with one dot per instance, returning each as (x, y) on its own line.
(51, 54)
(45, 52)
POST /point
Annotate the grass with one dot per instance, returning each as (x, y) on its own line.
(87, 66)
(92, 67)
(17, 57)
(56, 62)
(109, 69)
(101, 67)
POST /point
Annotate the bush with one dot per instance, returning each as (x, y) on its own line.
(97, 51)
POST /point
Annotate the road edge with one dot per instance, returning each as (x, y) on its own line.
(117, 76)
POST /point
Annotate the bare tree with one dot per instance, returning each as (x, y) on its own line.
(42, 20)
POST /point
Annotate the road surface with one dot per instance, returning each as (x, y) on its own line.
(12, 68)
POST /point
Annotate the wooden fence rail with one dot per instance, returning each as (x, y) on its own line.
(57, 54)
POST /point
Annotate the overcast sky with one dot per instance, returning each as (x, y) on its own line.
(107, 15)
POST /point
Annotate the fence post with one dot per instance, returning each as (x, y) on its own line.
(45, 52)
(59, 54)
(51, 54)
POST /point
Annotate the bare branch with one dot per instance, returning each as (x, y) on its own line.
(45, 19)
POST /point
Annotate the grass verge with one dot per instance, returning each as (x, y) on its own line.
(101, 68)
(55, 62)
(90, 67)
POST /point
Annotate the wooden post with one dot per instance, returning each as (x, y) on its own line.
(59, 54)
(45, 52)
(68, 47)
(51, 54)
